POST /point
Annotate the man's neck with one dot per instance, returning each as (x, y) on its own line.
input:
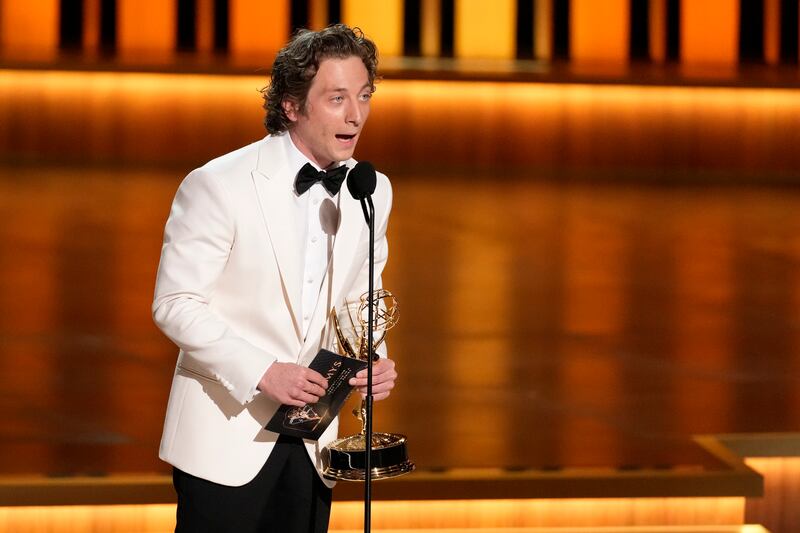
(301, 147)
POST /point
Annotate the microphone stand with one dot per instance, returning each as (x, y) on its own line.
(369, 214)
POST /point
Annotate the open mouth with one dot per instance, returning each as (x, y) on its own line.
(345, 138)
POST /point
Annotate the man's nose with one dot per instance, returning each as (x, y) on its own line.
(354, 115)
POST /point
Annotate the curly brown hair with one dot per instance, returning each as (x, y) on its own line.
(297, 63)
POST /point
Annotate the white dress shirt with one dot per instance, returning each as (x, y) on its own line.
(317, 215)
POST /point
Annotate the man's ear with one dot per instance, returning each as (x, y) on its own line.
(291, 108)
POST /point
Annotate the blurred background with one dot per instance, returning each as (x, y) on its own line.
(595, 238)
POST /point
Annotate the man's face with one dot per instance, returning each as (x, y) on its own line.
(336, 109)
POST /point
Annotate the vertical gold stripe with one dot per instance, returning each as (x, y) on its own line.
(318, 16)
(543, 29)
(595, 255)
(658, 30)
(30, 25)
(772, 31)
(599, 30)
(431, 27)
(380, 21)
(258, 28)
(705, 278)
(146, 25)
(597, 249)
(91, 25)
(204, 25)
(479, 306)
(710, 31)
(485, 30)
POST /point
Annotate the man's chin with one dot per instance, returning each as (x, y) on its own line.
(344, 155)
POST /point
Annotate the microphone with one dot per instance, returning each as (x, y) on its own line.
(361, 180)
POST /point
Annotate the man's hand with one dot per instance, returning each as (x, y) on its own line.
(292, 384)
(383, 376)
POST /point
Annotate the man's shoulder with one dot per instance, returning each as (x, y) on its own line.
(241, 160)
(382, 179)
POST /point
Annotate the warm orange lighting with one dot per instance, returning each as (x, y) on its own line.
(112, 116)
(430, 27)
(204, 25)
(91, 25)
(596, 254)
(709, 31)
(599, 30)
(485, 30)
(479, 278)
(704, 275)
(88, 518)
(658, 30)
(543, 29)
(416, 515)
(772, 31)
(146, 26)
(595, 258)
(318, 14)
(787, 468)
(587, 125)
(381, 21)
(258, 28)
(466, 514)
(776, 508)
(30, 25)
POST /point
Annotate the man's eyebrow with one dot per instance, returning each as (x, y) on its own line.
(367, 85)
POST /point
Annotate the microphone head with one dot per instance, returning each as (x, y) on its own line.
(361, 180)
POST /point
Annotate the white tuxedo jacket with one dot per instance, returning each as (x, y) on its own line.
(227, 294)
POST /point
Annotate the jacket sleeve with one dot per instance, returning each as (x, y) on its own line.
(198, 238)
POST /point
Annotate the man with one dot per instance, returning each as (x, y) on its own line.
(256, 253)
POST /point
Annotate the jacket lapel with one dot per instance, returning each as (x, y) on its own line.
(274, 193)
(351, 229)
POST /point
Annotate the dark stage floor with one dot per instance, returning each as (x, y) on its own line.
(544, 324)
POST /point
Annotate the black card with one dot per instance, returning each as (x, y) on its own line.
(311, 420)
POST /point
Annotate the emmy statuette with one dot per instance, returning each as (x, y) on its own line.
(345, 459)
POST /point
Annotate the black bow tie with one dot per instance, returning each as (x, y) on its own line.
(331, 179)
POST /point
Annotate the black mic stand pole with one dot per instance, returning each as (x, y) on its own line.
(369, 214)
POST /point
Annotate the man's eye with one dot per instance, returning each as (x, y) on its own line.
(366, 96)
(337, 99)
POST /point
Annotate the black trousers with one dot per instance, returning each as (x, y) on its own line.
(286, 496)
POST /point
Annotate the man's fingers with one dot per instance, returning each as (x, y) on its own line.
(377, 379)
(380, 367)
(379, 391)
(315, 377)
(302, 396)
(309, 382)
(298, 397)
(292, 384)
(316, 390)
(377, 388)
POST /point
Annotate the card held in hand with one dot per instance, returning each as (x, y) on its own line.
(311, 420)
